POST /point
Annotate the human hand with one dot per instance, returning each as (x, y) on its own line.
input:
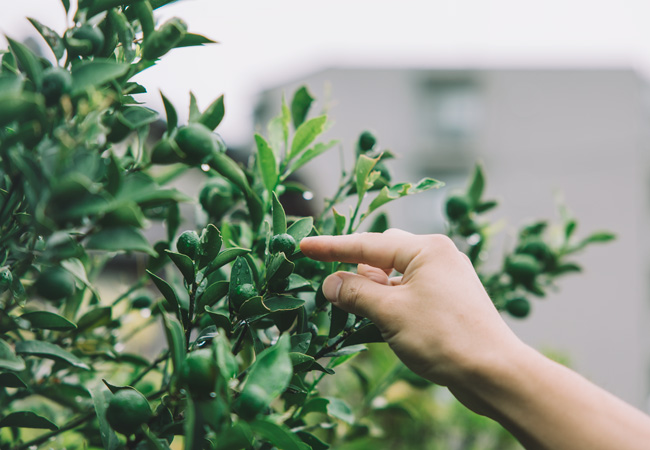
(436, 317)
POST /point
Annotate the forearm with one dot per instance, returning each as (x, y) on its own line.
(548, 406)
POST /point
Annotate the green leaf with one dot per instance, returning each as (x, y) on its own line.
(602, 236)
(300, 342)
(310, 154)
(94, 318)
(184, 264)
(210, 245)
(46, 320)
(301, 228)
(569, 228)
(66, 5)
(91, 74)
(212, 294)
(125, 33)
(305, 363)
(339, 409)
(339, 222)
(192, 40)
(120, 239)
(51, 37)
(283, 303)
(362, 172)
(220, 319)
(241, 274)
(225, 257)
(213, 116)
(175, 340)
(270, 374)
(279, 268)
(475, 189)
(312, 441)
(253, 307)
(300, 105)
(237, 437)
(380, 224)
(49, 351)
(364, 335)
(170, 112)
(230, 170)
(8, 359)
(76, 268)
(101, 398)
(279, 217)
(278, 435)
(338, 320)
(400, 190)
(305, 135)
(267, 163)
(298, 282)
(168, 292)
(28, 61)
(226, 361)
(27, 419)
(11, 380)
(195, 113)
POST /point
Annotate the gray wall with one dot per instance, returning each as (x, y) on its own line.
(581, 133)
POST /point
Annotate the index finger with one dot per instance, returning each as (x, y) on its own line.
(393, 249)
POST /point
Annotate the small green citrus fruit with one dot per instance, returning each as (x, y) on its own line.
(188, 243)
(199, 372)
(282, 243)
(127, 410)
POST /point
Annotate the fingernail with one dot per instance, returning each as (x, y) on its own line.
(332, 287)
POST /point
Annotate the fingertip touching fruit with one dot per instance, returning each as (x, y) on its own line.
(55, 283)
(127, 410)
(197, 143)
(282, 243)
(522, 268)
(199, 372)
(457, 207)
(518, 307)
(366, 141)
(56, 82)
(188, 243)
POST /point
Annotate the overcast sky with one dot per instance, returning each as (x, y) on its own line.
(264, 42)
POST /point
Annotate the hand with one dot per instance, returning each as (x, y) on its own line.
(436, 317)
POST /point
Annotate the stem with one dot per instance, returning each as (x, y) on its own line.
(152, 366)
(45, 437)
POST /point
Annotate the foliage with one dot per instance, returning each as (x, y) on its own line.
(249, 335)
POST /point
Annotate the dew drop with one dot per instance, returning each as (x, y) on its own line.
(308, 195)
(205, 167)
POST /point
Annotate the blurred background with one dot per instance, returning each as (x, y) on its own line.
(552, 97)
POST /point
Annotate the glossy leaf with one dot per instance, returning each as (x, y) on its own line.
(168, 292)
(101, 398)
(175, 340)
(27, 419)
(120, 239)
(400, 190)
(339, 222)
(362, 173)
(270, 374)
(28, 61)
(305, 135)
(364, 335)
(267, 163)
(8, 359)
(11, 380)
(338, 320)
(170, 111)
(225, 257)
(212, 294)
(50, 351)
(310, 154)
(301, 228)
(51, 37)
(92, 74)
(279, 267)
(94, 318)
(476, 186)
(195, 113)
(220, 319)
(300, 105)
(279, 217)
(46, 320)
(339, 409)
(213, 115)
(225, 359)
(279, 435)
(184, 264)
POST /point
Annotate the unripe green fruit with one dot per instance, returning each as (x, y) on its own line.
(539, 250)
(522, 268)
(242, 293)
(188, 243)
(366, 141)
(6, 278)
(217, 197)
(282, 243)
(197, 143)
(457, 207)
(518, 307)
(127, 410)
(55, 283)
(199, 372)
(56, 82)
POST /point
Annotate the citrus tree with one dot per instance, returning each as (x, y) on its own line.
(248, 334)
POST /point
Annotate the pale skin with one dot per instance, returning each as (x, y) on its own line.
(441, 323)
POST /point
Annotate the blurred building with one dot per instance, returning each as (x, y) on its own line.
(582, 133)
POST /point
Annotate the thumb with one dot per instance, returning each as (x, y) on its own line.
(355, 293)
